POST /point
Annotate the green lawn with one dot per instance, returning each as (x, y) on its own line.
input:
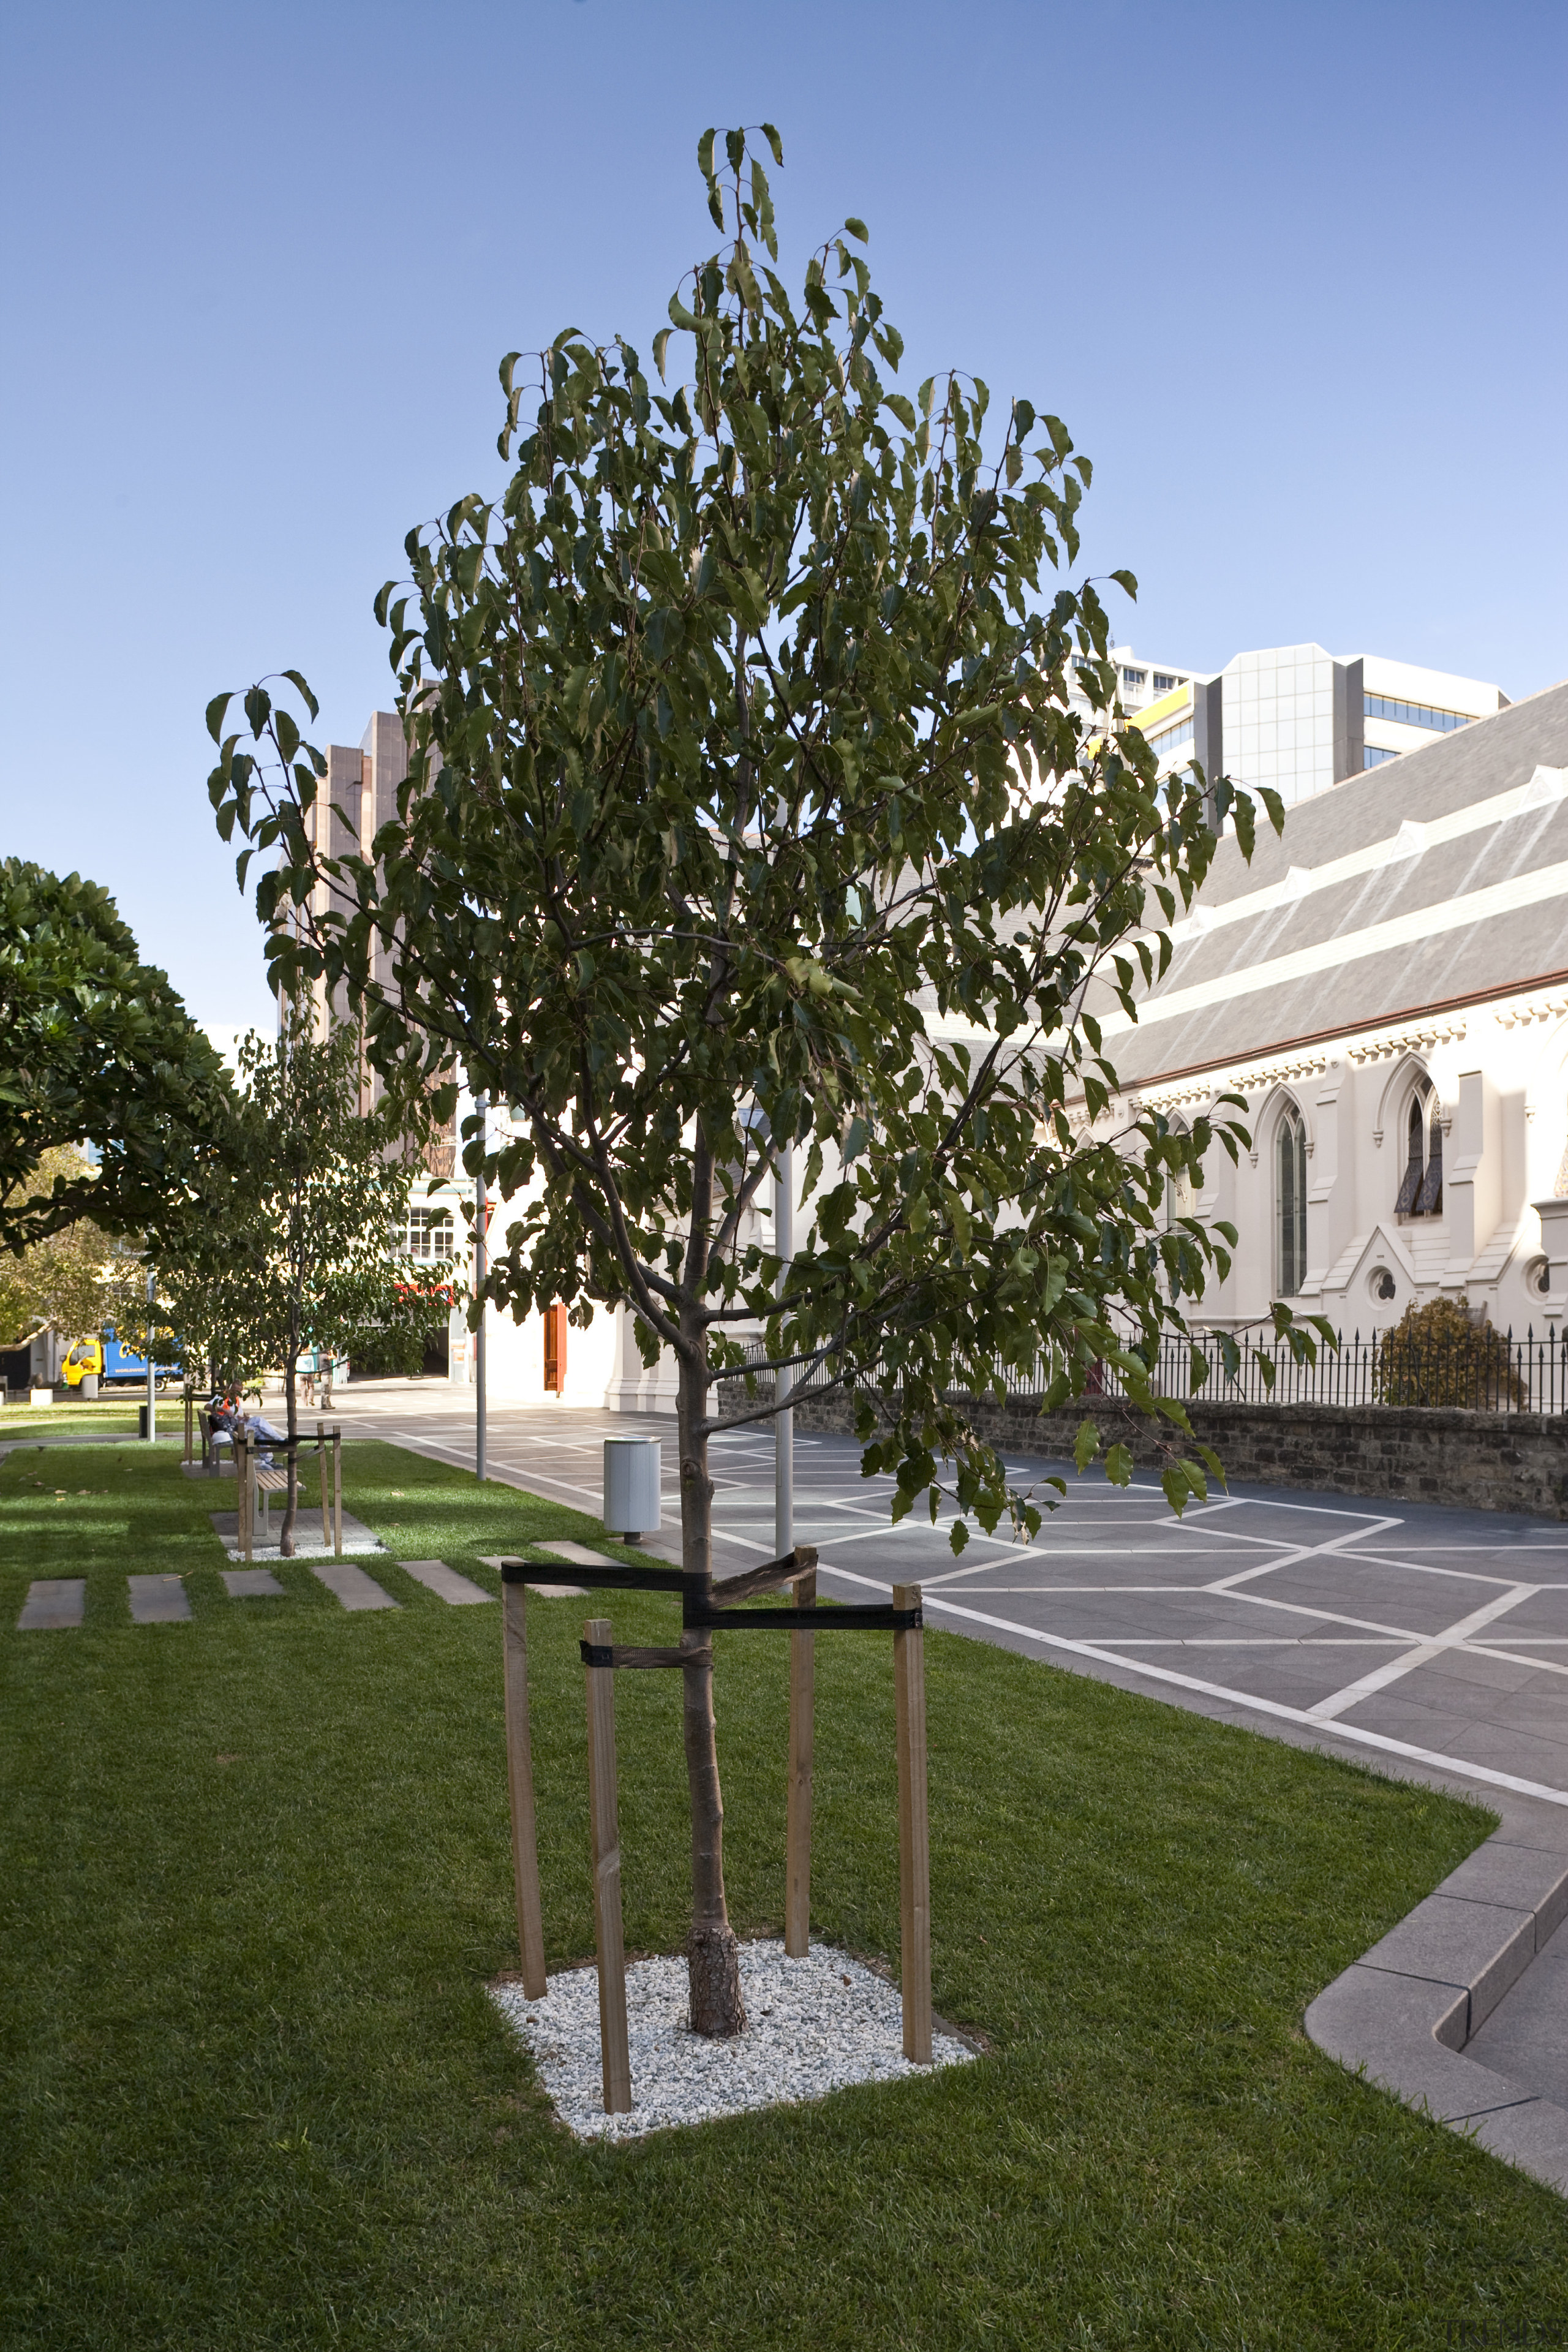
(104, 1416)
(256, 1876)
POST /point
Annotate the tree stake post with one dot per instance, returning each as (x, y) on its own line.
(914, 1832)
(337, 1490)
(326, 1507)
(242, 1493)
(519, 1789)
(606, 1854)
(189, 1455)
(797, 1814)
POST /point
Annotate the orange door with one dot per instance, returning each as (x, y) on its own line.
(555, 1350)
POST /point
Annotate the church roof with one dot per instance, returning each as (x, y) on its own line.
(1436, 879)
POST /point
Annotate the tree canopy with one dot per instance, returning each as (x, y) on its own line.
(97, 1049)
(76, 1279)
(294, 1248)
(747, 805)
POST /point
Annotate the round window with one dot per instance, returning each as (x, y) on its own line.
(1538, 1275)
(1382, 1286)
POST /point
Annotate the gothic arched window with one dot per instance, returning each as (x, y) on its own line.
(1290, 1203)
(1421, 1187)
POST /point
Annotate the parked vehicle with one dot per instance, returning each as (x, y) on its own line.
(113, 1363)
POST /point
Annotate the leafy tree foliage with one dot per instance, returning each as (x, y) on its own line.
(1440, 1354)
(747, 805)
(96, 1047)
(293, 1250)
(76, 1279)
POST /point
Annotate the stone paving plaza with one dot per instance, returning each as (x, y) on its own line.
(1437, 1637)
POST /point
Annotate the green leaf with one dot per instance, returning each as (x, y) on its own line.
(1127, 581)
(958, 1537)
(216, 708)
(1086, 1444)
(858, 229)
(661, 345)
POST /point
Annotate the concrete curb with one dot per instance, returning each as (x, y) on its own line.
(1402, 2015)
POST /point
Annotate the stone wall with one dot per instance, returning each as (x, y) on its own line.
(1412, 1453)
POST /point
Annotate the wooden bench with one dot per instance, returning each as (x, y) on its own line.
(256, 1479)
(211, 1439)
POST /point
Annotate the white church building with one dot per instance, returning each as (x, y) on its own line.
(1386, 986)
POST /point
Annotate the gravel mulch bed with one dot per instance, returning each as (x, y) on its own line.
(813, 2026)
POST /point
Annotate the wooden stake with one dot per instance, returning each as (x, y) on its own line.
(242, 1491)
(914, 1833)
(190, 1426)
(321, 1458)
(337, 1490)
(797, 1818)
(520, 1789)
(607, 1850)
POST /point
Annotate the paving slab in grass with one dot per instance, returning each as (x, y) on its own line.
(357, 1537)
(252, 1584)
(52, 1603)
(437, 1578)
(352, 1586)
(159, 1600)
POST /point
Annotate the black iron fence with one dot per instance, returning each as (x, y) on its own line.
(1484, 1369)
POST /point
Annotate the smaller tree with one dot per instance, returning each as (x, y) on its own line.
(95, 1048)
(1437, 1354)
(293, 1252)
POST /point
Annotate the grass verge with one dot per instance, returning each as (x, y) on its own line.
(256, 1876)
(111, 1417)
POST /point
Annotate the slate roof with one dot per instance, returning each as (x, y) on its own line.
(1431, 922)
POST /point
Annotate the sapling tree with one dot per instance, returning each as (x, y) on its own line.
(294, 1250)
(747, 807)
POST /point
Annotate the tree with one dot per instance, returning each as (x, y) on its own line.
(293, 1250)
(746, 802)
(1439, 1354)
(96, 1047)
(76, 1279)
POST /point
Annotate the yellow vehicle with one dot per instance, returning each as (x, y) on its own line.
(113, 1364)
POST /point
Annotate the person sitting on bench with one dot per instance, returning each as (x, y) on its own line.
(259, 1430)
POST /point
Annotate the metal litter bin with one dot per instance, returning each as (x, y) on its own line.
(89, 1386)
(633, 1476)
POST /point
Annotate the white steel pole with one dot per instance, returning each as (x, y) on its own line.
(152, 1377)
(480, 1267)
(784, 1379)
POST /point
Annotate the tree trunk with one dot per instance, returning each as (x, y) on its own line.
(713, 1957)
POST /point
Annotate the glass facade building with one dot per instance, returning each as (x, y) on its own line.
(1296, 718)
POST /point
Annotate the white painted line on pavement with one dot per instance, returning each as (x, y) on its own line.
(1348, 1732)
(1452, 1637)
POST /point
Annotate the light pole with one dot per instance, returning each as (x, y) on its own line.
(482, 1106)
(784, 1378)
(152, 1376)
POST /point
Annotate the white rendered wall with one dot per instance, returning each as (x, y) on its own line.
(1500, 1075)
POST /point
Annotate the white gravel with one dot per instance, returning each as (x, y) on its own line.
(813, 2026)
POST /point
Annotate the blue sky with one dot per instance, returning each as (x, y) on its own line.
(1294, 276)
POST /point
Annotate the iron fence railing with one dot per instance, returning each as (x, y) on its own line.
(1485, 1369)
